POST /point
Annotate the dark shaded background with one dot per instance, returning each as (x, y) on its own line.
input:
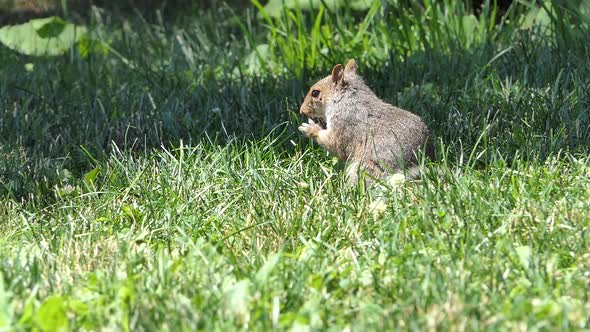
(18, 11)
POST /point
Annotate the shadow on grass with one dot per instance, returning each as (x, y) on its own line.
(530, 101)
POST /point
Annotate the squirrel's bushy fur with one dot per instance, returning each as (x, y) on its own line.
(350, 121)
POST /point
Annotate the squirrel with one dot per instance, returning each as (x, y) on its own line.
(350, 121)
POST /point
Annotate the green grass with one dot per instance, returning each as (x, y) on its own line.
(164, 186)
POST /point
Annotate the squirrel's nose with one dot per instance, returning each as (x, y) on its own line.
(304, 109)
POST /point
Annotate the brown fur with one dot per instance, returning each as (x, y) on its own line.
(351, 122)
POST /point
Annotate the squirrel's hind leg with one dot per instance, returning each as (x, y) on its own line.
(356, 171)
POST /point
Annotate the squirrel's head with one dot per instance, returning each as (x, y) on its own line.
(321, 94)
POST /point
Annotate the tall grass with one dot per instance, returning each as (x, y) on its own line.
(477, 62)
(164, 186)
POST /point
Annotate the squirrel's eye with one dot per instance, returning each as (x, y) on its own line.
(315, 93)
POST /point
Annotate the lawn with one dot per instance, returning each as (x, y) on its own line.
(157, 180)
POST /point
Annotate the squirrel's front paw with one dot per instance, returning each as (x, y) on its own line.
(309, 129)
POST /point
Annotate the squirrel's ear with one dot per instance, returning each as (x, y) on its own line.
(337, 73)
(350, 67)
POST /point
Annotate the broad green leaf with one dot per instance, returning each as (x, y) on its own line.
(274, 8)
(51, 316)
(360, 5)
(131, 212)
(44, 36)
(50, 29)
(87, 46)
(470, 24)
(91, 176)
(535, 17)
